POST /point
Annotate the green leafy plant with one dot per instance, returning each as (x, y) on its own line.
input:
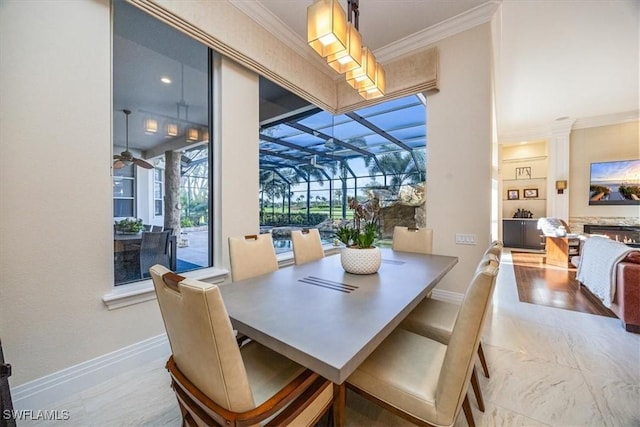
(367, 235)
(130, 225)
(359, 238)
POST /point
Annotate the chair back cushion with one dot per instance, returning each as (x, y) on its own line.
(417, 240)
(202, 340)
(495, 248)
(463, 344)
(307, 245)
(252, 256)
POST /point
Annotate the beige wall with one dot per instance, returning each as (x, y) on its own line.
(459, 152)
(600, 144)
(56, 253)
(237, 163)
(55, 181)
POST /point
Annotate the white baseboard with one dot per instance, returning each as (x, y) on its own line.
(39, 393)
(447, 296)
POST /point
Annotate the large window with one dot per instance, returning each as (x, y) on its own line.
(162, 82)
(313, 163)
(124, 184)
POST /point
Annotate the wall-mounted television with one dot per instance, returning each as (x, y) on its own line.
(615, 183)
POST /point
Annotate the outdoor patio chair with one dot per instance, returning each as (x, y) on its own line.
(154, 249)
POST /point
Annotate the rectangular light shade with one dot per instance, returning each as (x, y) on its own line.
(151, 126)
(172, 129)
(350, 58)
(365, 75)
(193, 134)
(326, 27)
(377, 90)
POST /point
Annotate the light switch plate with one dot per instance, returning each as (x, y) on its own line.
(465, 239)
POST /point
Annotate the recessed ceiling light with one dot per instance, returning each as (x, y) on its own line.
(165, 80)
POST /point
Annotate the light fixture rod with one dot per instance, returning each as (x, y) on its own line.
(353, 6)
(126, 127)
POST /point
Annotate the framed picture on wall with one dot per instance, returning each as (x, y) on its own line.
(530, 193)
(523, 173)
(513, 194)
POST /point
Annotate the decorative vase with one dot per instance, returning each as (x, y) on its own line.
(360, 261)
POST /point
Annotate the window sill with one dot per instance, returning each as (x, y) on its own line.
(286, 259)
(126, 295)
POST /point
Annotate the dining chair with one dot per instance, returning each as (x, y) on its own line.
(435, 319)
(495, 248)
(251, 256)
(423, 380)
(307, 245)
(218, 383)
(412, 239)
(154, 249)
(156, 228)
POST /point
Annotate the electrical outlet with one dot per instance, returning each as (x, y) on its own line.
(465, 239)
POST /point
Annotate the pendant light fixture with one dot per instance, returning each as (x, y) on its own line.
(326, 27)
(376, 90)
(351, 57)
(336, 37)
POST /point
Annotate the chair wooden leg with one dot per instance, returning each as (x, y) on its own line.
(466, 407)
(483, 361)
(339, 404)
(476, 389)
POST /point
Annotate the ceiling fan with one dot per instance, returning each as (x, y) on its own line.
(126, 158)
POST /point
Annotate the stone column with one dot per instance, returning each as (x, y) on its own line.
(558, 168)
(172, 208)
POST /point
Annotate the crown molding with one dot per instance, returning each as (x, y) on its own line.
(403, 47)
(457, 24)
(531, 134)
(607, 119)
(267, 20)
(545, 132)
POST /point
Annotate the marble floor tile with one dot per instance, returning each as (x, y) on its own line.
(534, 339)
(616, 353)
(545, 391)
(618, 401)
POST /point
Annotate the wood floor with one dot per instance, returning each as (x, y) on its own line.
(539, 283)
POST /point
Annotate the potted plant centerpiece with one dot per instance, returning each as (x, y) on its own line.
(360, 256)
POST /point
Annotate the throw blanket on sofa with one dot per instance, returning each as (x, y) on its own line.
(597, 269)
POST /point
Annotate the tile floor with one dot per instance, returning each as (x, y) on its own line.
(549, 367)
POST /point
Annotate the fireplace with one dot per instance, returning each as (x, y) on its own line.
(629, 235)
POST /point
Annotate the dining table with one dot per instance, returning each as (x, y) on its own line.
(328, 320)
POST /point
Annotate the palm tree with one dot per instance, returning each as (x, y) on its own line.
(401, 167)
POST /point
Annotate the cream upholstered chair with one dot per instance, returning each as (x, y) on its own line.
(307, 245)
(410, 239)
(435, 319)
(218, 383)
(421, 379)
(252, 256)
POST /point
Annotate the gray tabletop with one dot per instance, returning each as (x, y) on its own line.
(326, 319)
